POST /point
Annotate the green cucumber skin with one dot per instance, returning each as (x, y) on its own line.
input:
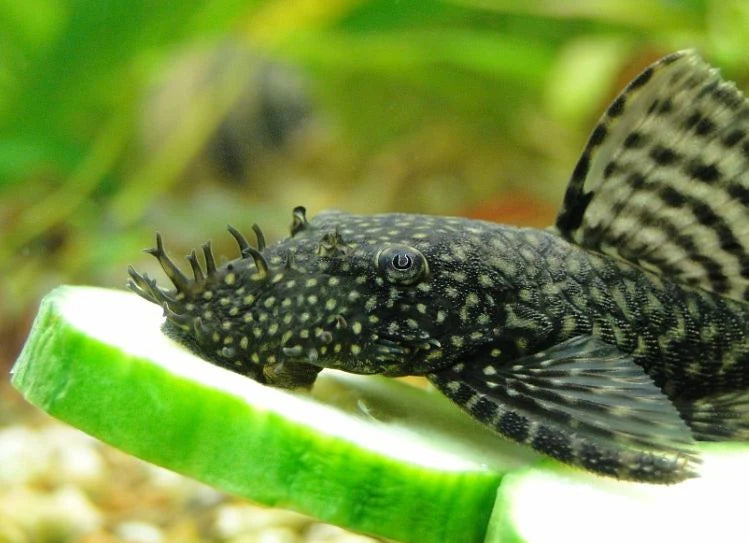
(59, 365)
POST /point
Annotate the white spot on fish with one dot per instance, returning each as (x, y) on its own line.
(453, 386)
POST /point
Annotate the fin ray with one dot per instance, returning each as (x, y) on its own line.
(583, 402)
(664, 178)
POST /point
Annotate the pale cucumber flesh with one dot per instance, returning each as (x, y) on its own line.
(536, 505)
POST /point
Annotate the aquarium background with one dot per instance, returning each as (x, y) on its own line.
(120, 118)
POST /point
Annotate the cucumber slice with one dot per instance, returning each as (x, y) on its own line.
(370, 454)
(563, 504)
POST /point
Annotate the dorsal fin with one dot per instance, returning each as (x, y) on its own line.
(664, 178)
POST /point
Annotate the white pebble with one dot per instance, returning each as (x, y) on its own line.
(139, 532)
(53, 455)
(61, 515)
(234, 520)
(23, 456)
(74, 456)
(327, 533)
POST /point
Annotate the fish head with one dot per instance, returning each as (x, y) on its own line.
(363, 293)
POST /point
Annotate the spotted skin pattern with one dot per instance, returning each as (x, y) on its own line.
(551, 340)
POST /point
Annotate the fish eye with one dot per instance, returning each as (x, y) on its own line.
(401, 264)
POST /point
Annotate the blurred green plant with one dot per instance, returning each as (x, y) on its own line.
(436, 106)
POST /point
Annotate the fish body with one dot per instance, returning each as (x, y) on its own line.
(611, 341)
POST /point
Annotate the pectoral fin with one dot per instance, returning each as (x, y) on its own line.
(583, 402)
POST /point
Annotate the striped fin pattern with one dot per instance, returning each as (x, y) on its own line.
(664, 178)
(583, 402)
